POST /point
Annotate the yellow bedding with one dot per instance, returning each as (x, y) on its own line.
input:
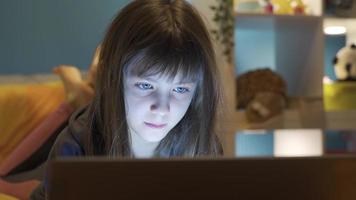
(6, 197)
(22, 108)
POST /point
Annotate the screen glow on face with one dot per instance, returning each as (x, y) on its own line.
(155, 104)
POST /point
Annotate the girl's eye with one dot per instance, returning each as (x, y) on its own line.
(144, 86)
(181, 90)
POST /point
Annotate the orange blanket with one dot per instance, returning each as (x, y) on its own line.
(22, 108)
(6, 197)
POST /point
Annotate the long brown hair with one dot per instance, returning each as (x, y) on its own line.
(157, 37)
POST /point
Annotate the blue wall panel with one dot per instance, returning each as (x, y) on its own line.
(333, 43)
(254, 144)
(39, 34)
(255, 48)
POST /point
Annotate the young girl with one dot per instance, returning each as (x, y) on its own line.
(156, 92)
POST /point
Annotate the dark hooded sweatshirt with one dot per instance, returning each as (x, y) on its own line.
(72, 141)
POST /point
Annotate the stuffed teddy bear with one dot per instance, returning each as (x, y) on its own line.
(345, 63)
(262, 93)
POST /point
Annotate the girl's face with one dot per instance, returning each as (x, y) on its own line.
(155, 104)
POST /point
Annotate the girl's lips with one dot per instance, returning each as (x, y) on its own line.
(155, 125)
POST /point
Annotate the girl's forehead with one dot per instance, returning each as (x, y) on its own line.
(172, 69)
(178, 78)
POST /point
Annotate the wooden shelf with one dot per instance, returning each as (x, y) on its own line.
(276, 16)
(341, 120)
(294, 119)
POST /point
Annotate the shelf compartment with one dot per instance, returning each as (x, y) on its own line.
(291, 45)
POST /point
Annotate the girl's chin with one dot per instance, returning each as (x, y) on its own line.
(153, 137)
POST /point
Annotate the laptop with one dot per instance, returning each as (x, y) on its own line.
(226, 178)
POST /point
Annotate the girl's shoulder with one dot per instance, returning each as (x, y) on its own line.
(73, 138)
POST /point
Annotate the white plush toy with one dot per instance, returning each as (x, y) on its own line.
(345, 63)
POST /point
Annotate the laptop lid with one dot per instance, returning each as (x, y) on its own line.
(243, 178)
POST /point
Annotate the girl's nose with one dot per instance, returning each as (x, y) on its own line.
(161, 107)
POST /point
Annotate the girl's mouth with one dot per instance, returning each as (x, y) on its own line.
(155, 125)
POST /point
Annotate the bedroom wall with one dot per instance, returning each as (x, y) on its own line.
(333, 43)
(39, 34)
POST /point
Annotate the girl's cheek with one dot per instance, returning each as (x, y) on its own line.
(181, 99)
(140, 93)
(183, 96)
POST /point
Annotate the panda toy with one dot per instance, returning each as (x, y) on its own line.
(345, 64)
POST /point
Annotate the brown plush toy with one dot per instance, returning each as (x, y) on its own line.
(262, 93)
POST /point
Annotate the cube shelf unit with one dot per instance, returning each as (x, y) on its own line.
(293, 46)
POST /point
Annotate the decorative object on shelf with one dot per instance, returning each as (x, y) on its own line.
(262, 93)
(340, 142)
(224, 18)
(343, 4)
(341, 95)
(288, 7)
(350, 137)
(282, 7)
(264, 106)
(298, 7)
(345, 64)
(298, 142)
(340, 8)
(267, 6)
(249, 6)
